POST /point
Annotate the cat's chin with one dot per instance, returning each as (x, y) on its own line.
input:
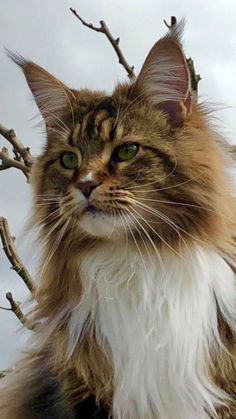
(100, 224)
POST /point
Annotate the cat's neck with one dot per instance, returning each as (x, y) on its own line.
(157, 321)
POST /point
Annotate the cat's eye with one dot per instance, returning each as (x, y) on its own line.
(69, 160)
(125, 152)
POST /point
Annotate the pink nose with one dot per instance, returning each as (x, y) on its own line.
(86, 187)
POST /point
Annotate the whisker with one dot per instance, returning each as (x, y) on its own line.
(153, 245)
(168, 221)
(157, 234)
(114, 223)
(55, 245)
(126, 234)
(185, 204)
(136, 243)
(154, 181)
(157, 214)
(172, 186)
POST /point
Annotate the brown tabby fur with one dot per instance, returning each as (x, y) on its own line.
(179, 156)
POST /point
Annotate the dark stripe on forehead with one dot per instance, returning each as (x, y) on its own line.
(98, 122)
(108, 104)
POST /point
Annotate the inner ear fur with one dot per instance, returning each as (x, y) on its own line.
(164, 81)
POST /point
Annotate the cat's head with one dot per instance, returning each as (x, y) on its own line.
(140, 162)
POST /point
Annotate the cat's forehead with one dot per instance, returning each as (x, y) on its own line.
(96, 120)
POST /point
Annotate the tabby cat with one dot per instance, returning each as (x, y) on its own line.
(135, 315)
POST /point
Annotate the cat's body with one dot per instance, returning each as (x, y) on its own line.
(136, 302)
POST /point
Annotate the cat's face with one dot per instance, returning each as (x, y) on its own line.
(105, 165)
(134, 164)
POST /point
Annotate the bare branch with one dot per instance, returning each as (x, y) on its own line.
(195, 78)
(15, 308)
(7, 162)
(5, 308)
(114, 42)
(13, 257)
(173, 22)
(18, 148)
(22, 159)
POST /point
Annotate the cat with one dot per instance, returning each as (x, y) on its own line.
(135, 314)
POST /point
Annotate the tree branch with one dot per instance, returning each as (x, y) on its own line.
(23, 159)
(173, 22)
(13, 257)
(114, 42)
(17, 145)
(15, 308)
(7, 162)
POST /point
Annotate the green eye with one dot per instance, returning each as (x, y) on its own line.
(69, 160)
(125, 152)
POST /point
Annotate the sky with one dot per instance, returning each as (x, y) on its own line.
(47, 33)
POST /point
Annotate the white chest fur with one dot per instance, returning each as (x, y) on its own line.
(157, 320)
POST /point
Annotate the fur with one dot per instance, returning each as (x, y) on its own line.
(135, 313)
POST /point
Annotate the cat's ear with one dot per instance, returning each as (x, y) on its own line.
(164, 80)
(52, 97)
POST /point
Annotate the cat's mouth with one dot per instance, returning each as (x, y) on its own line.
(92, 210)
(100, 223)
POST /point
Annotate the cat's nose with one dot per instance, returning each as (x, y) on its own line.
(86, 187)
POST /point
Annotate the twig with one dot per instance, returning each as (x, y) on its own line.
(23, 158)
(17, 145)
(15, 308)
(114, 42)
(7, 162)
(173, 22)
(13, 257)
(195, 78)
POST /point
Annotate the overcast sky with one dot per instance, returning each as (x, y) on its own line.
(47, 33)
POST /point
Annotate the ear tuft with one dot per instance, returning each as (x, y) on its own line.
(16, 58)
(54, 99)
(176, 31)
(164, 80)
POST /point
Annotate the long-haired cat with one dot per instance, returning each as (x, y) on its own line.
(135, 315)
